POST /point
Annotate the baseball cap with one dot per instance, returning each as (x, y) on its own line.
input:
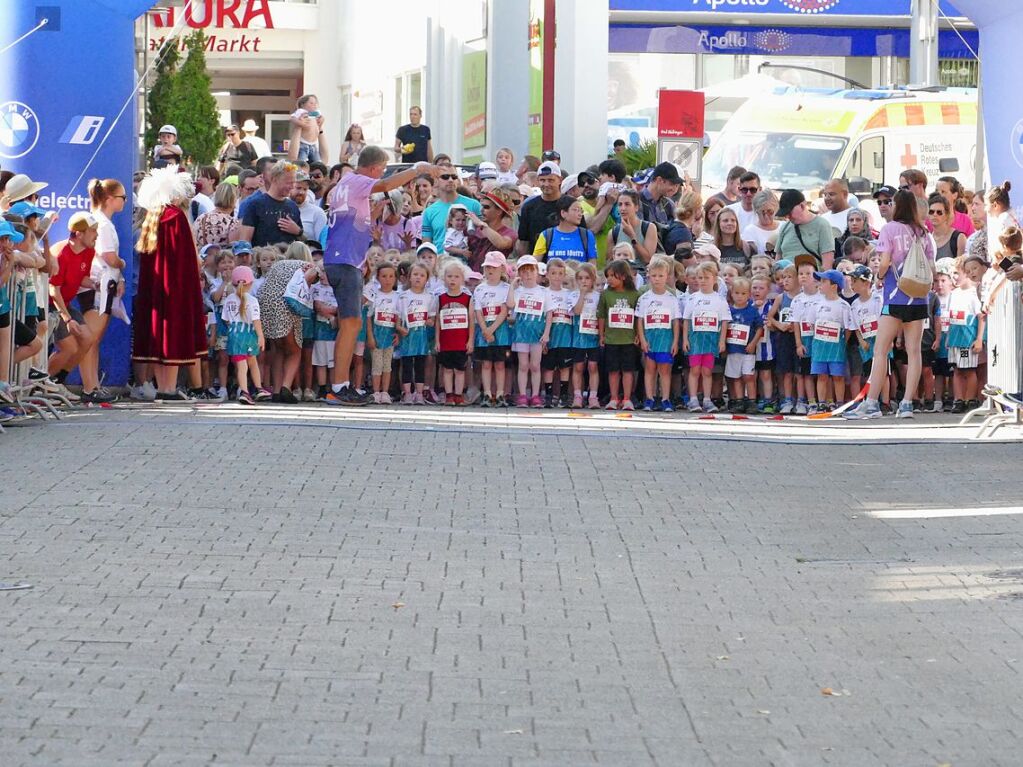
(207, 248)
(790, 198)
(474, 275)
(486, 171)
(26, 210)
(527, 261)
(946, 266)
(571, 181)
(168, 129)
(7, 230)
(242, 275)
(240, 247)
(668, 171)
(79, 222)
(301, 176)
(885, 191)
(831, 275)
(427, 246)
(782, 263)
(806, 258)
(548, 169)
(551, 154)
(495, 258)
(862, 272)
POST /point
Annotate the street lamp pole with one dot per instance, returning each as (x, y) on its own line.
(923, 43)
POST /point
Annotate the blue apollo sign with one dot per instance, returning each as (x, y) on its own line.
(67, 114)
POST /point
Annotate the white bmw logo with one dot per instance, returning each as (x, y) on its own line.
(19, 129)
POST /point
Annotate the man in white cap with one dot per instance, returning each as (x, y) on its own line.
(167, 151)
(249, 128)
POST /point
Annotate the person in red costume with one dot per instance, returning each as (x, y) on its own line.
(168, 318)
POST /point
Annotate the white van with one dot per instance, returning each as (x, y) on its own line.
(800, 141)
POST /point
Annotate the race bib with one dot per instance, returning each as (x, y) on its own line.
(784, 314)
(944, 323)
(657, 321)
(492, 311)
(621, 317)
(738, 334)
(454, 318)
(806, 328)
(416, 319)
(958, 318)
(705, 323)
(868, 329)
(561, 317)
(529, 305)
(828, 332)
(588, 326)
(385, 319)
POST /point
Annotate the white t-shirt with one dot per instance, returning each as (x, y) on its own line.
(561, 304)
(803, 310)
(313, 218)
(488, 299)
(711, 309)
(417, 308)
(759, 236)
(588, 313)
(325, 295)
(232, 305)
(657, 311)
(745, 218)
(839, 221)
(106, 242)
(867, 314)
(531, 302)
(261, 148)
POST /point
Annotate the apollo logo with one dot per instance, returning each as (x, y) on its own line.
(83, 129)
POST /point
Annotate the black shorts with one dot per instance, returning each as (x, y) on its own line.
(869, 365)
(765, 365)
(491, 353)
(86, 301)
(899, 357)
(926, 357)
(452, 360)
(906, 313)
(582, 356)
(681, 363)
(803, 365)
(941, 367)
(621, 358)
(558, 359)
(23, 334)
(785, 354)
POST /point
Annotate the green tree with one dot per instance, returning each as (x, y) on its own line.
(195, 107)
(158, 106)
(638, 158)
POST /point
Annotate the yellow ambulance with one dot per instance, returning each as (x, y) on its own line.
(801, 139)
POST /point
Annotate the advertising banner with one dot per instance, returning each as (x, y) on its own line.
(536, 11)
(474, 99)
(67, 114)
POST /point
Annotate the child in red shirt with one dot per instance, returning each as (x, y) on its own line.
(455, 325)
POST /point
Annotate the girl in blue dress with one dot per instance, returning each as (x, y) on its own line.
(245, 340)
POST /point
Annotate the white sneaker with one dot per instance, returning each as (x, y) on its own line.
(385, 398)
(801, 408)
(222, 393)
(709, 406)
(905, 410)
(864, 411)
(939, 406)
(137, 394)
(694, 405)
(309, 395)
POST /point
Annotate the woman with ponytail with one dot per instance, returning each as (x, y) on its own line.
(169, 320)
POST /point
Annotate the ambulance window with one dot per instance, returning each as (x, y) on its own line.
(867, 161)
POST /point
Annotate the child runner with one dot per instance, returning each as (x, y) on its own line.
(493, 336)
(965, 339)
(781, 325)
(944, 274)
(616, 324)
(707, 317)
(657, 321)
(455, 326)
(866, 309)
(220, 289)
(324, 333)
(560, 356)
(586, 337)
(760, 289)
(833, 320)
(384, 312)
(744, 333)
(804, 313)
(244, 334)
(529, 308)
(417, 306)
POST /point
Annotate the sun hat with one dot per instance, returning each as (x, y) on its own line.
(21, 186)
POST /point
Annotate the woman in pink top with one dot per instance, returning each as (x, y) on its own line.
(952, 191)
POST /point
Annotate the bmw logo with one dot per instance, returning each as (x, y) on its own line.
(810, 6)
(19, 130)
(1016, 143)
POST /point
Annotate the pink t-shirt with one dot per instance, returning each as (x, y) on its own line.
(896, 239)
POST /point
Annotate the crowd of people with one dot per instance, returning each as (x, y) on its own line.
(517, 283)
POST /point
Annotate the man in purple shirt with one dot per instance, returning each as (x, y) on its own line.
(350, 219)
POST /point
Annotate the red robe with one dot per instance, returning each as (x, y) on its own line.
(169, 323)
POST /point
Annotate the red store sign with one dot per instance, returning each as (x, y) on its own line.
(223, 14)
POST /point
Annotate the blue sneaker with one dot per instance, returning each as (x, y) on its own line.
(864, 411)
(666, 406)
(648, 405)
(905, 410)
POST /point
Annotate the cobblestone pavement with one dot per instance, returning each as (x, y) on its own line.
(396, 589)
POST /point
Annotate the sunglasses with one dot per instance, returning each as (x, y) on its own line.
(904, 187)
(448, 176)
(120, 197)
(749, 189)
(516, 201)
(231, 133)
(937, 212)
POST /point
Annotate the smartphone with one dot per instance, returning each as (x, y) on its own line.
(1006, 264)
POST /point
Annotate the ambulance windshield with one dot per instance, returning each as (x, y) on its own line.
(782, 160)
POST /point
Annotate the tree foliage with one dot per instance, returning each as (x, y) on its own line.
(182, 97)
